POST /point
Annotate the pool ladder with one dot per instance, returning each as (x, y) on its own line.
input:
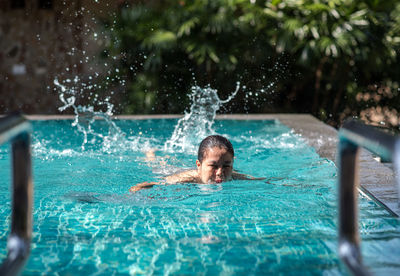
(16, 129)
(352, 136)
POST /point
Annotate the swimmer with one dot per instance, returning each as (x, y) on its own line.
(214, 165)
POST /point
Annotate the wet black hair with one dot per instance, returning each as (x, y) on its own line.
(214, 141)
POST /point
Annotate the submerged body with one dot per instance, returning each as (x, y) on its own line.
(214, 165)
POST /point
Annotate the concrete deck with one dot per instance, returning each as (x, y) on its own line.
(376, 179)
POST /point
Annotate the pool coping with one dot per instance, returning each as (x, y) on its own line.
(376, 178)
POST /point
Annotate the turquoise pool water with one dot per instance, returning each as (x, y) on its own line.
(86, 222)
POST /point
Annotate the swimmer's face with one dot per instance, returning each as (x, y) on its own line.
(216, 166)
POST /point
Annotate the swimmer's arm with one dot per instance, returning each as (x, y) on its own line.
(189, 176)
(143, 185)
(240, 176)
(183, 177)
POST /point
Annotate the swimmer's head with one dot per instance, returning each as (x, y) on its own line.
(215, 159)
(214, 141)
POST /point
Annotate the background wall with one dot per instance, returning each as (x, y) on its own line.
(44, 40)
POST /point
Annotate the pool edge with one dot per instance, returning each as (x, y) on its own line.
(376, 178)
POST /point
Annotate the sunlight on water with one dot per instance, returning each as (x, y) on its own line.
(85, 219)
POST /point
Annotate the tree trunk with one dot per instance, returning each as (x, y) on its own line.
(317, 86)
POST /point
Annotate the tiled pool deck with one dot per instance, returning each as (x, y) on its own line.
(376, 179)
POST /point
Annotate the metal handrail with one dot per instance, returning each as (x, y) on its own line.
(16, 129)
(352, 136)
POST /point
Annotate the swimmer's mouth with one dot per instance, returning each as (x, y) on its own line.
(218, 180)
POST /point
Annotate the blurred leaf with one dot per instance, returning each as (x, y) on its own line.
(160, 39)
(187, 26)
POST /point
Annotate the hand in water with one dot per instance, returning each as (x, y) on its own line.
(150, 155)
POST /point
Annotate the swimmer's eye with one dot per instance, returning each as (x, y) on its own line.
(215, 166)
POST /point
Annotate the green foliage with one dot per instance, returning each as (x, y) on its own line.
(296, 55)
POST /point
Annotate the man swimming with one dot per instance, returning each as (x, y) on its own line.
(214, 165)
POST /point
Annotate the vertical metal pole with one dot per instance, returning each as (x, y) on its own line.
(349, 239)
(348, 191)
(396, 164)
(19, 240)
(22, 192)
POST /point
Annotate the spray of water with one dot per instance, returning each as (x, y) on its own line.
(198, 122)
(85, 117)
(189, 131)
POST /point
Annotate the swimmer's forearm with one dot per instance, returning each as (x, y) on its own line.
(143, 185)
(189, 176)
(169, 180)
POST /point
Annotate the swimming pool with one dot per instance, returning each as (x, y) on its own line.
(85, 221)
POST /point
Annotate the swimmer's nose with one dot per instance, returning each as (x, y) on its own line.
(218, 172)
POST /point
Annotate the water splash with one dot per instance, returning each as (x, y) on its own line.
(197, 124)
(189, 131)
(85, 117)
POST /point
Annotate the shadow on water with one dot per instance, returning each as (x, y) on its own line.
(158, 195)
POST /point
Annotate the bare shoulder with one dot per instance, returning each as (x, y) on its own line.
(183, 177)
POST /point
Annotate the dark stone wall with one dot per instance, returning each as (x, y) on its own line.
(40, 43)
